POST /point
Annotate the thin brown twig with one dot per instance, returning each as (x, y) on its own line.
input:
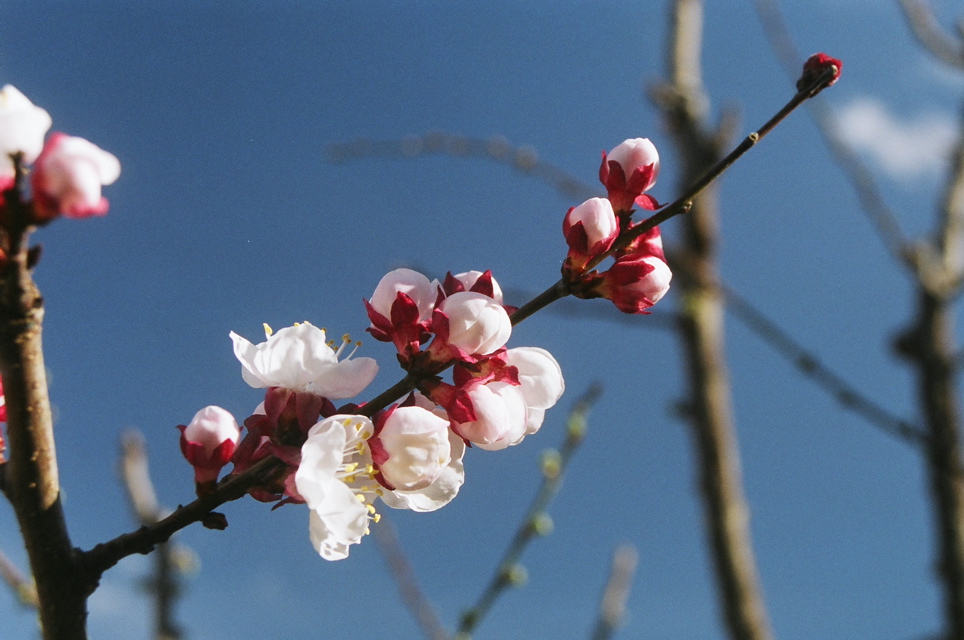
(700, 145)
(163, 584)
(403, 573)
(945, 47)
(509, 572)
(612, 607)
(872, 202)
(105, 555)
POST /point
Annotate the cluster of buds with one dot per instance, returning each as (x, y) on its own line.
(340, 462)
(639, 275)
(67, 173)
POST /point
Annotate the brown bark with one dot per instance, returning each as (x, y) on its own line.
(701, 332)
(31, 476)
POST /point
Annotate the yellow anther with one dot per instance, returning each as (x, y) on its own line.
(379, 492)
(358, 343)
(267, 330)
(360, 497)
(367, 531)
(377, 517)
(371, 509)
(346, 338)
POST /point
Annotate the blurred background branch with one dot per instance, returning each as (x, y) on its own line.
(536, 521)
(612, 607)
(163, 585)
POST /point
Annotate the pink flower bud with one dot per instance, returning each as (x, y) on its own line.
(469, 324)
(590, 229)
(480, 282)
(68, 176)
(411, 283)
(629, 170)
(816, 65)
(411, 448)
(636, 282)
(22, 129)
(497, 416)
(208, 442)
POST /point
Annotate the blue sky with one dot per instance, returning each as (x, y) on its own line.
(228, 214)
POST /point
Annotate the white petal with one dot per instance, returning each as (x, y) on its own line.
(345, 379)
(337, 524)
(540, 376)
(440, 492)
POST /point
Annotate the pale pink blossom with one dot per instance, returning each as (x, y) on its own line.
(209, 441)
(68, 176)
(498, 416)
(470, 323)
(413, 284)
(299, 358)
(628, 170)
(589, 229)
(411, 447)
(540, 382)
(23, 126)
(469, 279)
(438, 494)
(636, 282)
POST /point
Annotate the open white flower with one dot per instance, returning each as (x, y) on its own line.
(23, 126)
(335, 478)
(300, 358)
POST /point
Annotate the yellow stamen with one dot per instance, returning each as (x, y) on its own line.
(267, 330)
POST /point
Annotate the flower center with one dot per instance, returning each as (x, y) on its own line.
(357, 470)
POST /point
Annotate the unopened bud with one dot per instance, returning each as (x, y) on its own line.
(551, 463)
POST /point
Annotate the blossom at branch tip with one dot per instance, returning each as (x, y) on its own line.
(816, 65)
(629, 170)
(23, 126)
(68, 176)
(299, 358)
(209, 441)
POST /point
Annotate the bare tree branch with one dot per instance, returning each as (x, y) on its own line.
(612, 608)
(872, 202)
(32, 483)
(163, 585)
(809, 365)
(536, 521)
(945, 47)
(685, 105)
(412, 595)
(936, 267)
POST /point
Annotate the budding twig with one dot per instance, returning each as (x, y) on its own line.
(535, 522)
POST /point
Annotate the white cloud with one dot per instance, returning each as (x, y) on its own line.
(907, 150)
